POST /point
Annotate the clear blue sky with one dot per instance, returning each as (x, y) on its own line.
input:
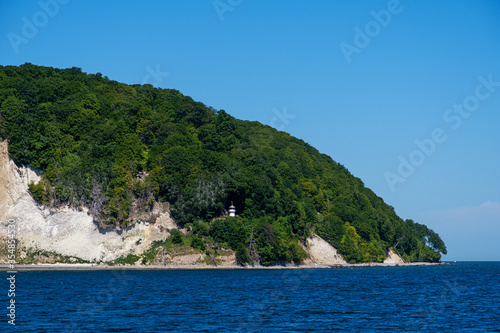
(359, 80)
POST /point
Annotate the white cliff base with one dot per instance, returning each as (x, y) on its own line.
(321, 252)
(393, 258)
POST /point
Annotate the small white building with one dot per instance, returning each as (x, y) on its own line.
(232, 210)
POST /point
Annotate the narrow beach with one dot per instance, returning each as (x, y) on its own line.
(70, 267)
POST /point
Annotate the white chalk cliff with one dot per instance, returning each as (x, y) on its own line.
(321, 252)
(393, 258)
(66, 231)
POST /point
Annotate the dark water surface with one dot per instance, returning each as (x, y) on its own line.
(462, 297)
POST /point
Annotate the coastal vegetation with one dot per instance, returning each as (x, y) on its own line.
(118, 149)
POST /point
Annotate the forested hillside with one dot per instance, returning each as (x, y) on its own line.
(117, 149)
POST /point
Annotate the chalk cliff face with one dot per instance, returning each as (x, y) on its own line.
(66, 231)
(13, 182)
(320, 252)
(393, 258)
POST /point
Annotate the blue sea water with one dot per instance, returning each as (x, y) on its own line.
(456, 298)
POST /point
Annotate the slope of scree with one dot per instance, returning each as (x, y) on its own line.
(117, 149)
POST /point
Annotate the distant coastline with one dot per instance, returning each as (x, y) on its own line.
(82, 267)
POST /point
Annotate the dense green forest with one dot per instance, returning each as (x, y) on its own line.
(114, 148)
